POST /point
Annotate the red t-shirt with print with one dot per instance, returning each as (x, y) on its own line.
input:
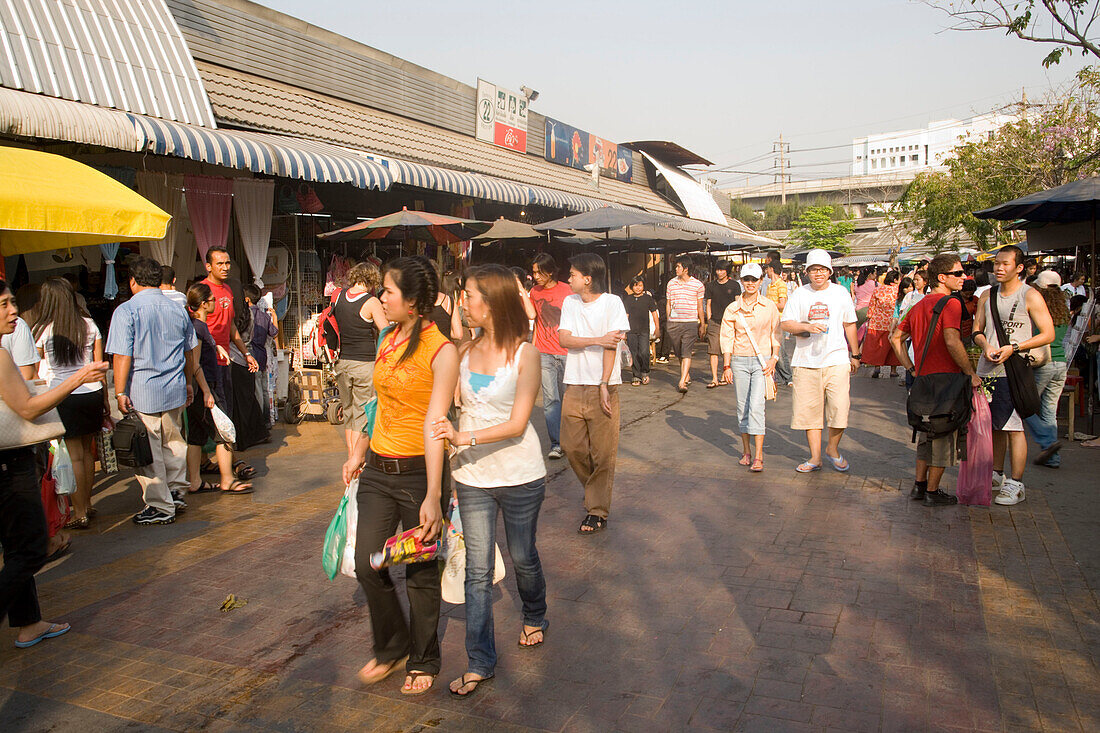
(220, 322)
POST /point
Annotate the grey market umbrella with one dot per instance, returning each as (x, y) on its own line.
(507, 229)
(603, 219)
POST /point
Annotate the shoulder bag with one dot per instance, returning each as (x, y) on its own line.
(938, 404)
(769, 379)
(18, 432)
(1021, 380)
(131, 442)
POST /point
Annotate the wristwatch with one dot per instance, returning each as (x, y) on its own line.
(1015, 348)
(473, 440)
(857, 356)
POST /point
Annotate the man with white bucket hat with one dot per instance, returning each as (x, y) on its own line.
(822, 316)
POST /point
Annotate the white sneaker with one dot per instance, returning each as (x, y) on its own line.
(1012, 492)
(998, 479)
(555, 452)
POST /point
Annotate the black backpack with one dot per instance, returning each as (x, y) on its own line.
(131, 442)
(938, 404)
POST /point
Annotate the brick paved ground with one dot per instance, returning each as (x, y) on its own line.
(717, 599)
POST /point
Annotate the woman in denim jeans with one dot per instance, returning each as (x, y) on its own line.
(1050, 378)
(750, 318)
(498, 465)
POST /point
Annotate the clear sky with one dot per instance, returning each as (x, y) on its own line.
(723, 79)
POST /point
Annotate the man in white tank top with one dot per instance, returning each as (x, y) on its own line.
(1027, 324)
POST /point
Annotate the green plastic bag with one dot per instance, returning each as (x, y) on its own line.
(370, 409)
(335, 539)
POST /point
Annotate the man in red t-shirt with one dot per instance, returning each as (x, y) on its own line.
(220, 322)
(547, 297)
(946, 355)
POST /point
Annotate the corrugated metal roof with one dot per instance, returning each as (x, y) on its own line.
(250, 101)
(23, 114)
(698, 203)
(123, 54)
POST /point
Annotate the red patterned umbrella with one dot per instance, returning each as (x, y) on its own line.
(442, 229)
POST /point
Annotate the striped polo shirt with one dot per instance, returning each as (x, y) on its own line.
(157, 334)
(683, 299)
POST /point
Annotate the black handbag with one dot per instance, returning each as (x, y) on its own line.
(938, 404)
(1021, 378)
(131, 442)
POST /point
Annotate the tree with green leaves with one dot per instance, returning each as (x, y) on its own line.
(1065, 23)
(816, 229)
(1058, 144)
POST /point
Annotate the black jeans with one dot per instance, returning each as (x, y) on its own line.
(384, 500)
(23, 534)
(638, 343)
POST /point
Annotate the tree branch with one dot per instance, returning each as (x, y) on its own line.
(1082, 42)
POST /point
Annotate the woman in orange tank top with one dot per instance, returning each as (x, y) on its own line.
(402, 470)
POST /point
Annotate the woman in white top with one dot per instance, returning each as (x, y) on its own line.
(67, 341)
(498, 464)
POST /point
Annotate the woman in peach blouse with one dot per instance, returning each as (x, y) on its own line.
(749, 337)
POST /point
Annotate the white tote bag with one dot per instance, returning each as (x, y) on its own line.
(347, 561)
(454, 569)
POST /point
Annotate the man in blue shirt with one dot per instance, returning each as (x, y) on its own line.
(151, 339)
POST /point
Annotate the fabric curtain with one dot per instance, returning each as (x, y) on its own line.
(166, 191)
(110, 285)
(209, 201)
(252, 208)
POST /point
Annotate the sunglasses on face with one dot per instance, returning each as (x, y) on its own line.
(956, 273)
(749, 279)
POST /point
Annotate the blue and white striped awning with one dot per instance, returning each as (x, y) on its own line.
(552, 199)
(459, 183)
(273, 155)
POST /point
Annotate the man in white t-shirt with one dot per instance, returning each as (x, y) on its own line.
(20, 344)
(592, 327)
(822, 317)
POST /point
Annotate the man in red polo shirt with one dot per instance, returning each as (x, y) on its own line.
(220, 322)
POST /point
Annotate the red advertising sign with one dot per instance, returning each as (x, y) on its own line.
(510, 137)
(501, 117)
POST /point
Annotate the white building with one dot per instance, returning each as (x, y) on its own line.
(911, 150)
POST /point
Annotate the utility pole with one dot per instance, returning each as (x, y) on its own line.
(782, 164)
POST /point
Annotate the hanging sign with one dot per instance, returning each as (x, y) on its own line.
(566, 145)
(501, 117)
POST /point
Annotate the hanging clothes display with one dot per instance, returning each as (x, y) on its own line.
(166, 191)
(252, 208)
(110, 285)
(209, 201)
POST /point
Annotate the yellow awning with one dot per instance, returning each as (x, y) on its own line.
(51, 202)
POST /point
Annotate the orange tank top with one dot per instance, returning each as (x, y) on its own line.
(404, 392)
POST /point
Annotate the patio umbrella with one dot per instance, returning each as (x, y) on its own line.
(603, 219)
(51, 202)
(442, 229)
(507, 229)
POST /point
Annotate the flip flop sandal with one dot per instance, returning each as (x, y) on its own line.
(379, 676)
(247, 488)
(645, 380)
(635, 382)
(413, 677)
(205, 487)
(528, 634)
(746, 460)
(683, 389)
(209, 467)
(807, 467)
(243, 471)
(476, 683)
(592, 524)
(59, 552)
(712, 385)
(757, 466)
(50, 633)
(837, 461)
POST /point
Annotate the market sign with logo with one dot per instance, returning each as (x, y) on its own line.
(501, 117)
(566, 145)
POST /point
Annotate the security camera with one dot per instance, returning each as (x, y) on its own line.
(530, 93)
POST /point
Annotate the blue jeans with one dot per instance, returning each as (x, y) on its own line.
(783, 371)
(553, 387)
(748, 380)
(1050, 379)
(520, 507)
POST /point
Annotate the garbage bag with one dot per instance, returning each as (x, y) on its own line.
(976, 472)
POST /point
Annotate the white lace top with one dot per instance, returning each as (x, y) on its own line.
(501, 463)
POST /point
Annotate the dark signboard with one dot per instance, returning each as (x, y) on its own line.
(566, 145)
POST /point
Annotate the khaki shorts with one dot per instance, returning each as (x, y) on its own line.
(355, 380)
(940, 452)
(714, 346)
(816, 389)
(682, 336)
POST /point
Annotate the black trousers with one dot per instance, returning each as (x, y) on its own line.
(638, 343)
(23, 534)
(246, 414)
(384, 501)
